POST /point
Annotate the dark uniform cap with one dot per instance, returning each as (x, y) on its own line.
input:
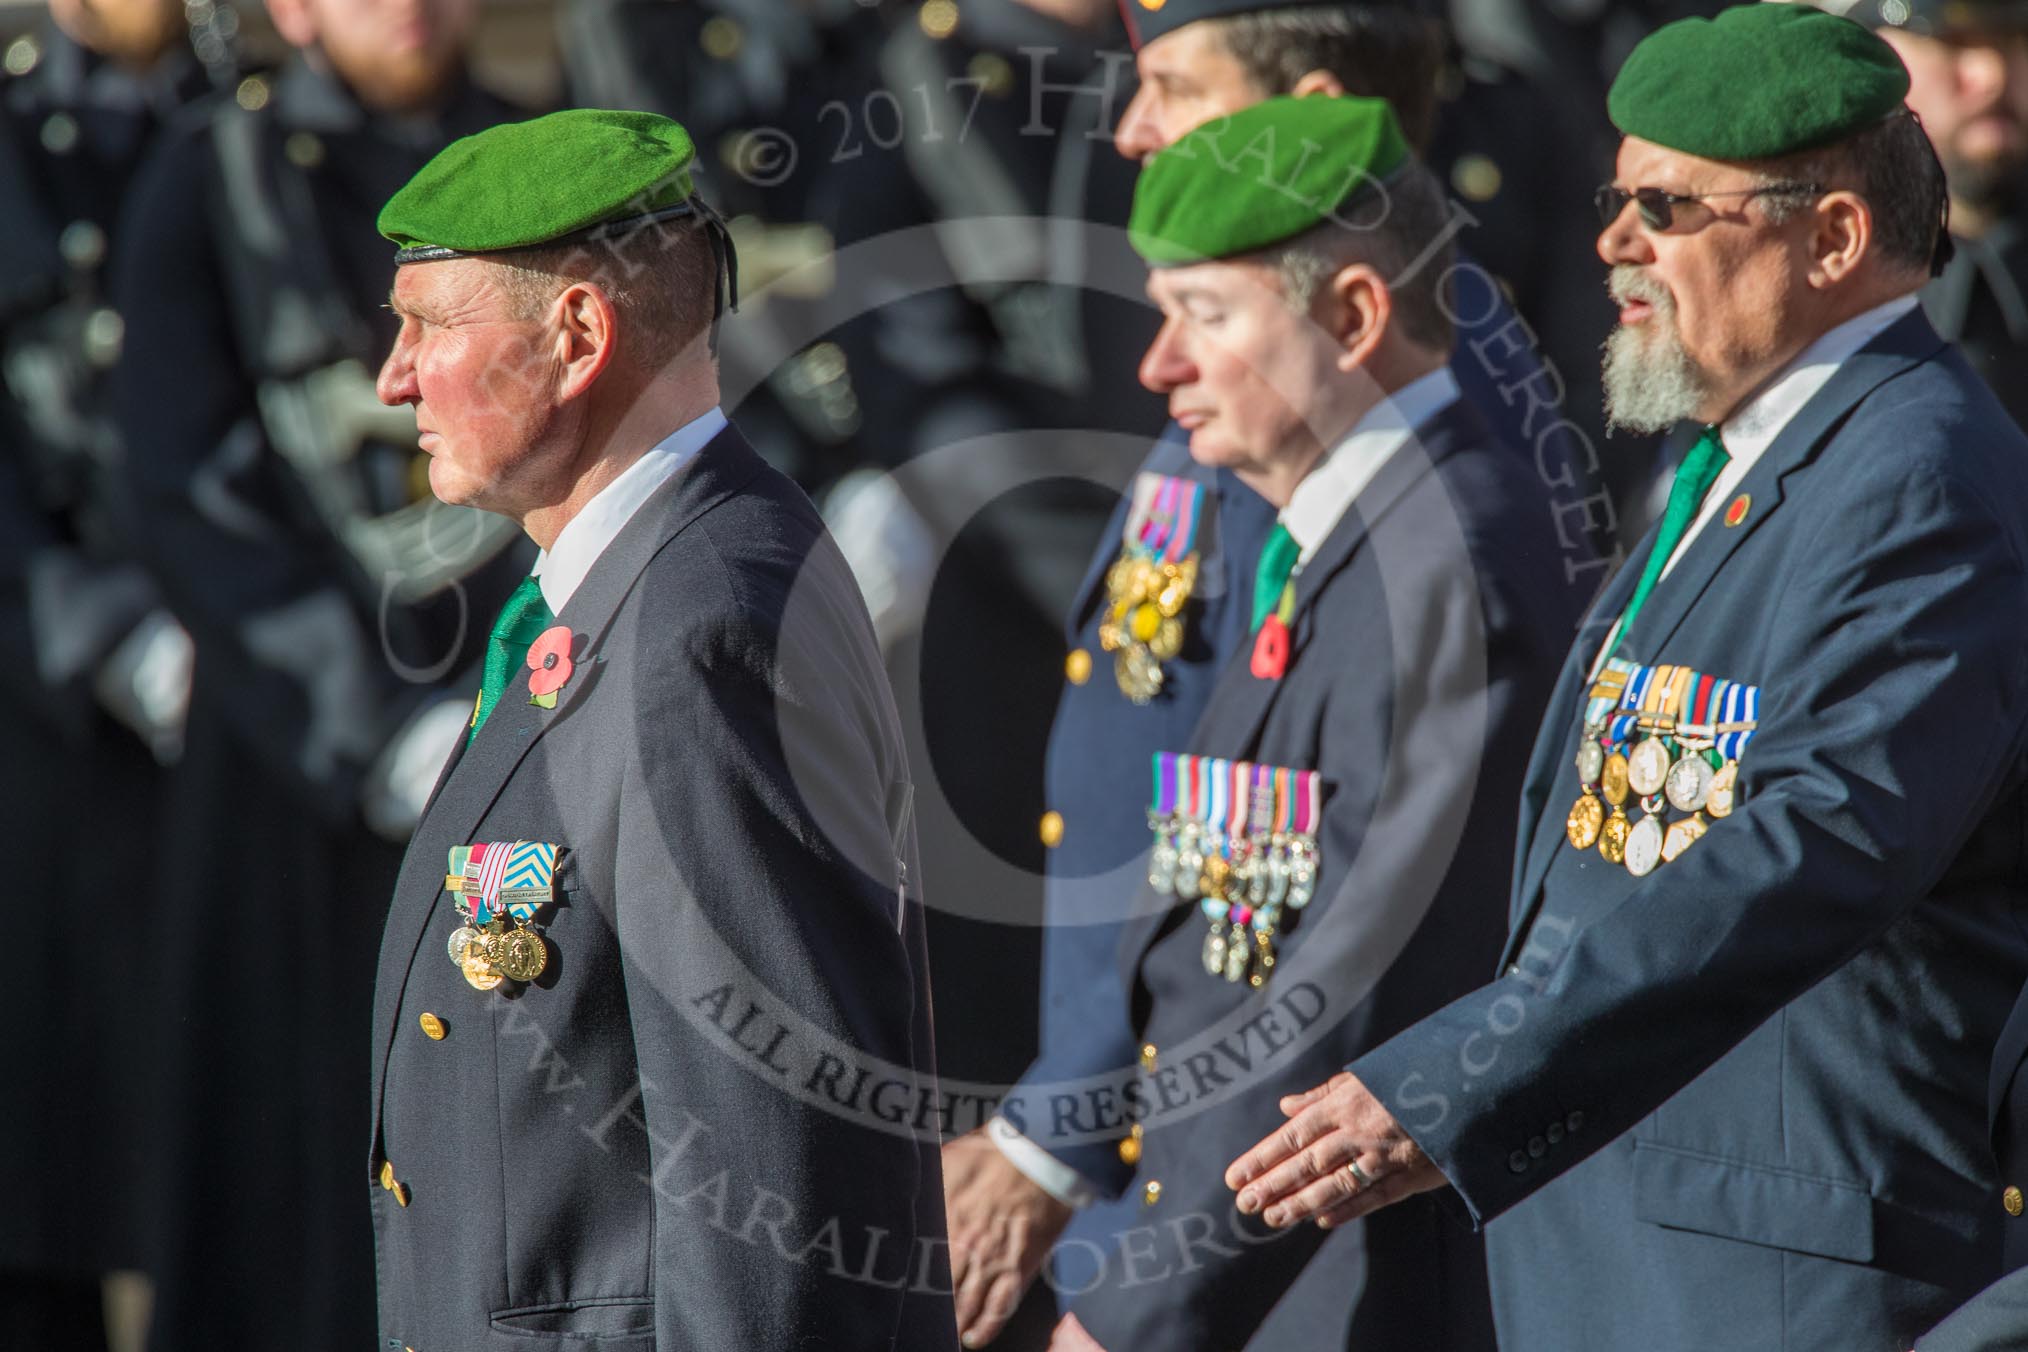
(1265, 174)
(1936, 18)
(541, 181)
(1147, 20)
(1758, 81)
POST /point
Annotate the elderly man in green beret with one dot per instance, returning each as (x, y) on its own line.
(651, 1036)
(1729, 1086)
(1330, 841)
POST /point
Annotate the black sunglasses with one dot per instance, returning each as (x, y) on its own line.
(1658, 208)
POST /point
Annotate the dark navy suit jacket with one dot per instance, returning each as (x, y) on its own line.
(1427, 632)
(1748, 1092)
(1996, 1320)
(711, 1123)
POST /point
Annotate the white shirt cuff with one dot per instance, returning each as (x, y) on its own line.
(1047, 1172)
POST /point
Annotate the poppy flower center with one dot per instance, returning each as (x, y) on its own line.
(548, 661)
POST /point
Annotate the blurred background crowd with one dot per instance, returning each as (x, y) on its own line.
(232, 602)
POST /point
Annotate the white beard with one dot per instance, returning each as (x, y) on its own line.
(1650, 382)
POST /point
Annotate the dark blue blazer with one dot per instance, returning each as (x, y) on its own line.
(1996, 1320)
(710, 1124)
(1748, 1092)
(1427, 631)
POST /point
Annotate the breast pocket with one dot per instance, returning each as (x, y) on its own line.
(608, 1323)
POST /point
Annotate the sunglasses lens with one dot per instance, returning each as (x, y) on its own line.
(1654, 208)
(1610, 202)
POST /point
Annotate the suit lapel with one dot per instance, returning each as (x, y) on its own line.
(477, 773)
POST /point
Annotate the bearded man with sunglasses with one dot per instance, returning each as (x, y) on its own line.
(1729, 1088)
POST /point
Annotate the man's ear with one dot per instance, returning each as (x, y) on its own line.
(1319, 82)
(1841, 237)
(293, 22)
(588, 339)
(1361, 309)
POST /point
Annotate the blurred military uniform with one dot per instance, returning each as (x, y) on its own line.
(289, 524)
(77, 614)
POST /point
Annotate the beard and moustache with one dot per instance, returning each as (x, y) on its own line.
(1651, 384)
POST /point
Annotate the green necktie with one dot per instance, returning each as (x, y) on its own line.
(1694, 477)
(521, 622)
(1277, 561)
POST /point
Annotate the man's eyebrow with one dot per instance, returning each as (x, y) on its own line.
(410, 308)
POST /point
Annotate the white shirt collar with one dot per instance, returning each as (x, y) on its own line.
(1755, 424)
(563, 566)
(1328, 490)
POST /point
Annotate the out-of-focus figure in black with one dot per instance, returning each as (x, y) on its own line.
(333, 603)
(1968, 81)
(99, 672)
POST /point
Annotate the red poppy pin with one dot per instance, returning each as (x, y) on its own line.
(549, 665)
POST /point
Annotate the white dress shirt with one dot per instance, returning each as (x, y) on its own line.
(1327, 491)
(563, 566)
(1325, 494)
(1754, 425)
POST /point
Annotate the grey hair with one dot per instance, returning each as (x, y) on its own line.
(661, 280)
(1412, 232)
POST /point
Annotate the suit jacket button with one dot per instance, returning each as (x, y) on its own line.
(1152, 1193)
(1575, 1121)
(400, 1191)
(432, 1026)
(1052, 829)
(1517, 1163)
(1537, 1147)
(2011, 1199)
(1077, 666)
(1148, 1056)
(1555, 1132)
(387, 1174)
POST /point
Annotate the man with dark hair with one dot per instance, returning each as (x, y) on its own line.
(1732, 1079)
(679, 832)
(1406, 616)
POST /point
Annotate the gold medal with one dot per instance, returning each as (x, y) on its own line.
(1581, 827)
(1612, 837)
(1217, 878)
(1682, 835)
(520, 955)
(1613, 779)
(480, 974)
(1724, 786)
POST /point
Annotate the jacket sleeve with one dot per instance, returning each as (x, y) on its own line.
(1892, 721)
(775, 979)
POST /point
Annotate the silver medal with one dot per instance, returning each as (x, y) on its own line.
(1590, 761)
(1648, 766)
(1689, 786)
(1644, 846)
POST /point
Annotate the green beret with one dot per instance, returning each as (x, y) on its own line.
(1758, 81)
(541, 181)
(1265, 174)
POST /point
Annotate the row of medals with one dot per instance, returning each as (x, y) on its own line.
(1262, 873)
(1143, 627)
(1687, 783)
(498, 950)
